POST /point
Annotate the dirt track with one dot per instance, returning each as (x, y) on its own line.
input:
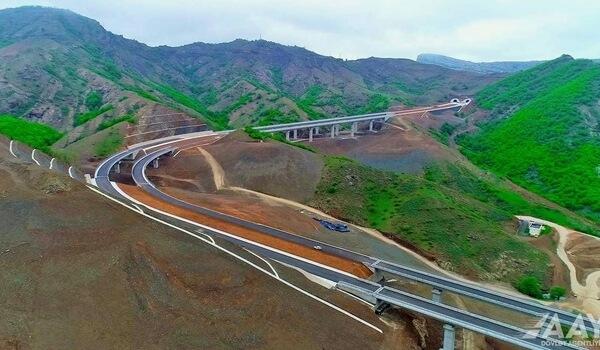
(587, 294)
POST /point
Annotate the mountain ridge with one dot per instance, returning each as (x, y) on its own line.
(53, 58)
(477, 67)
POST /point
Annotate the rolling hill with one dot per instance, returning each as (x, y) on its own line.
(477, 67)
(54, 62)
(541, 132)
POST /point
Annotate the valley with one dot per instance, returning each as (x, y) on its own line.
(250, 194)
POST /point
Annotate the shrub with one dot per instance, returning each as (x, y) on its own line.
(529, 285)
(85, 117)
(557, 292)
(110, 122)
(109, 145)
(93, 100)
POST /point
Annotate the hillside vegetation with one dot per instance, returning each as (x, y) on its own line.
(543, 132)
(66, 70)
(465, 234)
(35, 135)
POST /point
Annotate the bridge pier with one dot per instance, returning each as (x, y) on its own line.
(295, 134)
(155, 163)
(353, 129)
(310, 134)
(118, 168)
(371, 125)
(449, 333)
(436, 295)
(316, 130)
(332, 131)
(287, 135)
(449, 337)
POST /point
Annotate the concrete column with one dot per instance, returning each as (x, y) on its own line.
(449, 337)
(436, 295)
(155, 163)
(310, 134)
(332, 131)
(316, 130)
(353, 129)
(337, 129)
(295, 134)
(371, 125)
(118, 168)
(287, 135)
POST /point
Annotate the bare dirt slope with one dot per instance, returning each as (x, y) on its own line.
(267, 166)
(78, 271)
(398, 147)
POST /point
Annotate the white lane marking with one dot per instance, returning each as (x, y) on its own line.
(33, 157)
(70, 172)
(10, 147)
(312, 296)
(265, 261)
(236, 237)
(51, 163)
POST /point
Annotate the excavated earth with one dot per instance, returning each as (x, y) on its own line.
(81, 272)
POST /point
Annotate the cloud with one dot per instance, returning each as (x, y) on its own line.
(476, 30)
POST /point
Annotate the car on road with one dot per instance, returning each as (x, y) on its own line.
(333, 226)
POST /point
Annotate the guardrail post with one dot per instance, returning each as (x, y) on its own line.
(310, 134)
(449, 337)
(436, 295)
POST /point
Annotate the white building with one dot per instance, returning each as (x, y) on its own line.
(535, 228)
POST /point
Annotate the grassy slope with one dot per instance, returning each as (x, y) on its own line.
(466, 234)
(548, 144)
(35, 135)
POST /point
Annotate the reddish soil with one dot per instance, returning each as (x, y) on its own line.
(353, 267)
(584, 253)
(268, 167)
(547, 244)
(408, 150)
(80, 272)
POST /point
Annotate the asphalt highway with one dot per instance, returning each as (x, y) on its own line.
(442, 312)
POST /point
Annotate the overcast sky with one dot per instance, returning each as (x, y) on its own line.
(475, 30)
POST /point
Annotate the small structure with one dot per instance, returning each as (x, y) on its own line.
(535, 228)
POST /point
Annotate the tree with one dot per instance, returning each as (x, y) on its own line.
(93, 100)
(557, 292)
(529, 285)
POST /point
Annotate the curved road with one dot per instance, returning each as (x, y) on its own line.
(362, 287)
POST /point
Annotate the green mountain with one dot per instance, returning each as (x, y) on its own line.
(542, 132)
(478, 67)
(66, 70)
